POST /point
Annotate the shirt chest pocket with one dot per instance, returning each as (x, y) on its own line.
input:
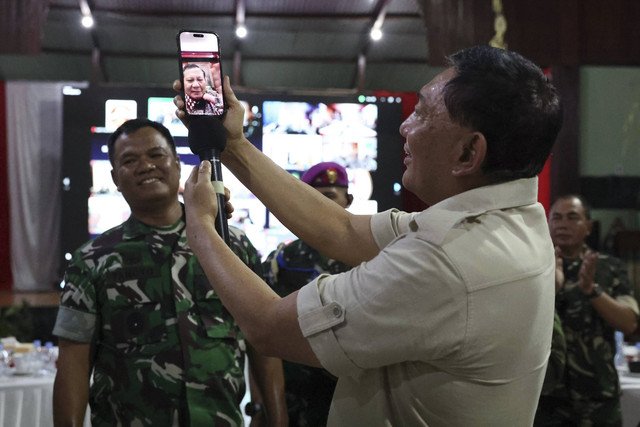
(135, 315)
(137, 328)
(216, 320)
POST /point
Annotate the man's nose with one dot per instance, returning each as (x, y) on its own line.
(403, 128)
(560, 223)
(146, 165)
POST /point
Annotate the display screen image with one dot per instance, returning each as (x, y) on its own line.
(163, 110)
(107, 208)
(201, 73)
(296, 133)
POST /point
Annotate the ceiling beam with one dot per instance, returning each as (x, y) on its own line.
(181, 13)
(171, 56)
(376, 21)
(98, 70)
(237, 54)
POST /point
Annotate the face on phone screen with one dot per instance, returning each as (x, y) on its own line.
(200, 72)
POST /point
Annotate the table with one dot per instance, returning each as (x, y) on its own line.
(630, 399)
(27, 401)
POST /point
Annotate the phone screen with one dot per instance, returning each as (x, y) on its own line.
(201, 73)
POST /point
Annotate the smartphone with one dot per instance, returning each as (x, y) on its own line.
(201, 72)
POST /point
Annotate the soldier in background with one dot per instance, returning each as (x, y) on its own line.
(139, 312)
(291, 266)
(593, 300)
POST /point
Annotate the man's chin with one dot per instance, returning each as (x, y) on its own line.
(150, 199)
(562, 241)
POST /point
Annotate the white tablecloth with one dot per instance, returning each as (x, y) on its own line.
(630, 399)
(27, 401)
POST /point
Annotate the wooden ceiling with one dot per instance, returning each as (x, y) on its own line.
(304, 43)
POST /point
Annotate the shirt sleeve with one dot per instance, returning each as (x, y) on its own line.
(408, 303)
(388, 225)
(244, 249)
(616, 275)
(77, 317)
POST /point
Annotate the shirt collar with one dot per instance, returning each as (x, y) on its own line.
(132, 228)
(438, 219)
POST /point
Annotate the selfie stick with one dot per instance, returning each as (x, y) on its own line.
(207, 139)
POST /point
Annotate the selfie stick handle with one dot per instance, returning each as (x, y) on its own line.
(207, 138)
(213, 156)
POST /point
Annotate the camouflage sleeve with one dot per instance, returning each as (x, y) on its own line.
(557, 358)
(271, 268)
(244, 249)
(76, 318)
(612, 273)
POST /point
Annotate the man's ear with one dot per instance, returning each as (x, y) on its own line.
(114, 178)
(589, 224)
(349, 199)
(471, 155)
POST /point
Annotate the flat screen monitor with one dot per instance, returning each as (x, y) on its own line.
(295, 131)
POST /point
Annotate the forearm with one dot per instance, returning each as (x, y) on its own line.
(318, 221)
(69, 403)
(268, 321)
(618, 315)
(268, 376)
(71, 386)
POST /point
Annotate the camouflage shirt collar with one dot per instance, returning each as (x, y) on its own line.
(133, 229)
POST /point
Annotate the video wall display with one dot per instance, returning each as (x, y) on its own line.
(295, 131)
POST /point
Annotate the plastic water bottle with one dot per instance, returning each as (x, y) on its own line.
(38, 358)
(49, 357)
(4, 361)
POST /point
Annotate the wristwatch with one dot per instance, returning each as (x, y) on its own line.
(596, 291)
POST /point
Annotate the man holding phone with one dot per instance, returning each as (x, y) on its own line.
(446, 319)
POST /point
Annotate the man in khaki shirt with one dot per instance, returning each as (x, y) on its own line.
(447, 318)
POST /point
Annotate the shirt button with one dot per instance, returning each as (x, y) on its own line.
(337, 311)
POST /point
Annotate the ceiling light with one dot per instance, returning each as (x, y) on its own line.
(376, 34)
(87, 21)
(241, 31)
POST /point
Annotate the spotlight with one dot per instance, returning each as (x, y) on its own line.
(376, 34)
(87, 21)
(241, 31)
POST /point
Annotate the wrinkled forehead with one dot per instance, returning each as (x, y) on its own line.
(197, 71)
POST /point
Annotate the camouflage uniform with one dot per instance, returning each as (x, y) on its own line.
(590, 392)
(557, 358)
(308, 390)
(165, 348)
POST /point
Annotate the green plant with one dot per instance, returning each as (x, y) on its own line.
(17, 321)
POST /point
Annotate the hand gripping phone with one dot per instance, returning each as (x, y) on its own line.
(201, 72)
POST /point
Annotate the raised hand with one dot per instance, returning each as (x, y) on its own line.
(587, 273)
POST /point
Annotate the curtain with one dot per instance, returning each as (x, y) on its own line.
(34, 161)
(5, 253)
